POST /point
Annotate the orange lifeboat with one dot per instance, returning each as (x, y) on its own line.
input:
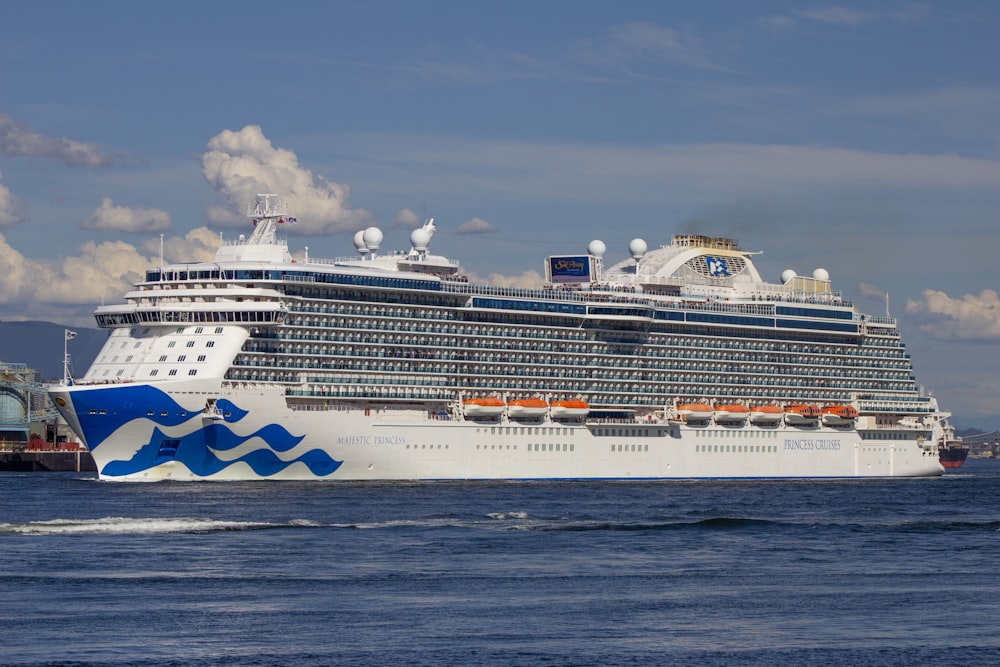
(695, 412)
(527, 408)
(839, 415)
(766, 414)
(490, 406)
(731, 413)
(801, 415)
(569, 409)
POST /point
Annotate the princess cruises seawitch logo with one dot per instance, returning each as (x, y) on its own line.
(717, 266)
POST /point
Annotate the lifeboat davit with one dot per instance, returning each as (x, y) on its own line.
(766, 414)
(527, 408)
(839, 415)
(569, 409)
(802, 415)
(695, 412)
(490, 406)
(731, 413)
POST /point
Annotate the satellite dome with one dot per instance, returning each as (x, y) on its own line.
(787, 275)
(372, 238)
(637, 248)
(597, 248)
(359, 242)
(420, 238)
(821, 274)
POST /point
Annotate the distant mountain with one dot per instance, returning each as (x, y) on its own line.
(40, 346)
(979, 424)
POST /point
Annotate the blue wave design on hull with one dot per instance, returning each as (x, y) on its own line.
(103, 411)
(123, 403)
(231, 413)
(193, 450)
(219, 437)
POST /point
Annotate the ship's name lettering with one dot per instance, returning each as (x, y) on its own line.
(812, 444)
(371, 440)
(568, 265)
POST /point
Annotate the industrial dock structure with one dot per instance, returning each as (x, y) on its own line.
(32, 435)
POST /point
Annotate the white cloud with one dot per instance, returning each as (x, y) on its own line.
(776, 22)
(837, 15)
(973, 317)
(406, 219)
(846, 16)
(95, 273)
(17, 139)
(475, 226)
(108, 217)
(647, 38)
(240, 165)
(10, 207)
(640, 40)
(528, 280)
(198, 245)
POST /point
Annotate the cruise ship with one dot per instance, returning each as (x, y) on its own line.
(678, 362)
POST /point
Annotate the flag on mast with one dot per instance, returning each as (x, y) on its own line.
(70, 335)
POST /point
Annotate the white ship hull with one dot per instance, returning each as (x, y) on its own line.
(255, 436)
(394, 366)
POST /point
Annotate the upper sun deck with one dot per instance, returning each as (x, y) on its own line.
(711, 242)
(694, 269)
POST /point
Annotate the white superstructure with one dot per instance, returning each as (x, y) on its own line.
(679, 362)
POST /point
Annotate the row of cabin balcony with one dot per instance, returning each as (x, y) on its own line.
(828, 356)
(451, 312)
(462, 325)
(294, 359)
(585, 376)
(597, 397)
(655, 356)
(603, 357)
(820, 366)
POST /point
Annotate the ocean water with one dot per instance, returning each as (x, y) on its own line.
(872, 572)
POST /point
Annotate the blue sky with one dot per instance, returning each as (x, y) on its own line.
(858, 137)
